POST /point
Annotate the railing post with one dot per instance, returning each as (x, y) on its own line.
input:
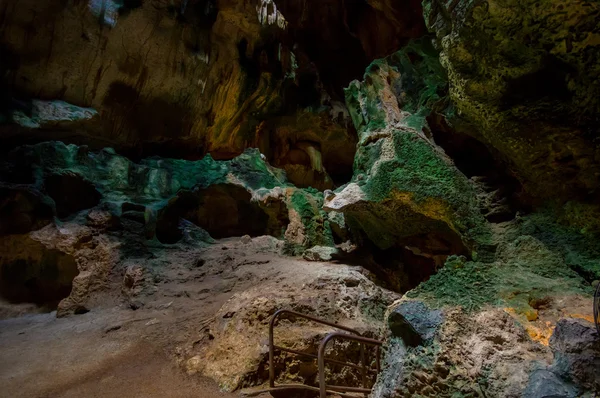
(272, 349)
(353, 336)
(321, 363)
(363, 366)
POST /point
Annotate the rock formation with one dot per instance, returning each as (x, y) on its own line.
(171, 200)
(427, 173)
(406, 191)
(521, 75)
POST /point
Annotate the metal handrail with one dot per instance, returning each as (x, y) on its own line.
(359, 339)
(323, 388)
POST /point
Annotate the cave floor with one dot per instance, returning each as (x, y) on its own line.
(114, 350)
(42, 356)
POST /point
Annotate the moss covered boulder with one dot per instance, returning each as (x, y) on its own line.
(405, 190)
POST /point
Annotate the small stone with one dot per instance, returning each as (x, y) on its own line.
(194, 365)
(135, 305)
(320, 253)
(328, 194)
(134, 277)
(414, 322)
(246, 239)
(543, 383)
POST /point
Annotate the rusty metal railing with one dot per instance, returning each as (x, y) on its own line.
(323, 389)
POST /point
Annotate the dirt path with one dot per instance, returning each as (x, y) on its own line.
(41, 356)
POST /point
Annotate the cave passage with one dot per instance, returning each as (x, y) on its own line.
(223, 210)
(475, 160)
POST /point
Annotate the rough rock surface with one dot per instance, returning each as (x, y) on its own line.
(405, 190)
(61, 197)
(503, 321)
(320, 253)
(190, 77)
(414, 323)
(576, 346)
(226, 198)
(57, 267)
(523, 75)
(238, 356)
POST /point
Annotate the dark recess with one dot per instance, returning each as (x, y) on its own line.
(44, 282)
(71, 193)
(475, 160)
(222, 210)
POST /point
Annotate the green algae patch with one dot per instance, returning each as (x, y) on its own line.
(409, 188)
(316, 231)
(526, 271)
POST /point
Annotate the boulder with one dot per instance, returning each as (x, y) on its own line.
(543, 383)
(320, 253)
(576, 347)
(414, 322)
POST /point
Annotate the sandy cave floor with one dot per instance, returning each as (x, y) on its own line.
(115, 351)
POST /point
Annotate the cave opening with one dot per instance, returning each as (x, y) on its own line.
(43, 278)
(71, 193)
(409, 262)
(501, 193)
(223, 210)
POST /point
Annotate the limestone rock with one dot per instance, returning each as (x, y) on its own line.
(503, 331)
(133, 280)
(320, 253)
(414, 323)
(542, 71)
(576, 347)
(405, 190)
(56, 266)
(54, 114)
(543, 383)
(168, 199)
(237, 355)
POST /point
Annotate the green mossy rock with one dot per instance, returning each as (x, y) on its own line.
(405, 190)
(241, 196)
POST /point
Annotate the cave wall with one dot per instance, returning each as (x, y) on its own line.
(186, 78)
(523, 77)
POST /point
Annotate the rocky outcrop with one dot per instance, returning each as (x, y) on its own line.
(238, 355)
(60, 201)
(405, 190)
(516, 326)
(524, 76)
(244, 196)
(56, 267)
